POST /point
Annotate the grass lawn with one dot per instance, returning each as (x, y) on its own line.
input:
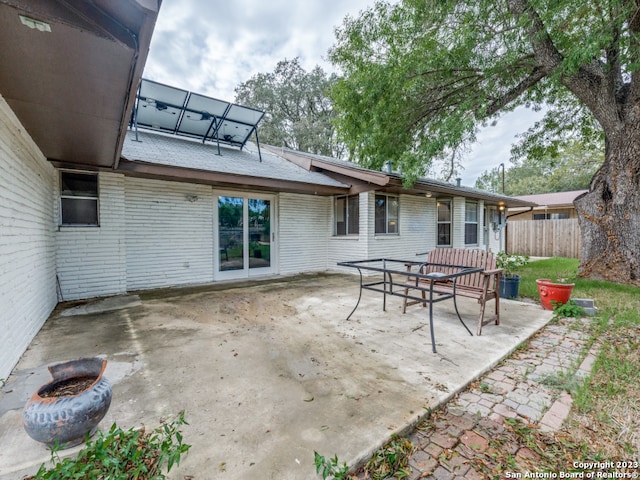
(605, 418)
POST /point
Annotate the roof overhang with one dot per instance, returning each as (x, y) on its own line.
(435, 188)
(70, 71)
(361, 179)
(157, 171)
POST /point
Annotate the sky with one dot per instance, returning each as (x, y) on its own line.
(210, 47)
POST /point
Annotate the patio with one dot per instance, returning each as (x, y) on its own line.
(266, 372)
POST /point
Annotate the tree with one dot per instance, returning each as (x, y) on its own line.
(298, 110)
(570, 169)
(421, 76)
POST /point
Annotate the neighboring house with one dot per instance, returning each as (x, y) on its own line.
(557, 237)
(551, 206)
(90, 208)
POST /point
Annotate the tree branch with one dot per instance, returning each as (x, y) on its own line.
(545, 52)
(587, 83)
(534, 77)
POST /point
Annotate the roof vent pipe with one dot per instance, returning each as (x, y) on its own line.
(387, 167)
(458, 180)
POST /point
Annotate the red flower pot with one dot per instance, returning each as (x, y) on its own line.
(551, 293)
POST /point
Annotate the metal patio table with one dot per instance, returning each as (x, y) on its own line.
(413, 281)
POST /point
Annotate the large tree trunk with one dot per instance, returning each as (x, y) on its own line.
(609, 213)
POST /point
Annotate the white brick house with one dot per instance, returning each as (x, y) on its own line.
(158, 228)
(89, 210)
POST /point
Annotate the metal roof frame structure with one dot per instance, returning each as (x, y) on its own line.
(174, 110)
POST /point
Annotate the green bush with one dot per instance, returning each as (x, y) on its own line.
(569, 309)
(121, 455)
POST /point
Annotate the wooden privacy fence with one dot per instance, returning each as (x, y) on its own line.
(544, 238)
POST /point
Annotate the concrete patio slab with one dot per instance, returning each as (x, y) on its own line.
(267, 373)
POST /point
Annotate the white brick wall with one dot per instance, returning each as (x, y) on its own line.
(304, 231)
(417, 224)
(457, 227)
(27, 249)
(91, 260)
(169, 240)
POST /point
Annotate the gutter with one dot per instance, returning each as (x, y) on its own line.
(150, 18)
(520, 213)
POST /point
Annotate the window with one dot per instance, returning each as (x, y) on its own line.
(347, 215)
(471, 223)
(444, 223)
(551, 216)
(386, 214)
(79, 199)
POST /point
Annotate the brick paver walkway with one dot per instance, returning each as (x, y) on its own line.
(527, 385)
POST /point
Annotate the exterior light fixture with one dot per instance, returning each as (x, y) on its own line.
(35, 24)
(428, 194)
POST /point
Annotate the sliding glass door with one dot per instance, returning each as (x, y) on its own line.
(245, 236)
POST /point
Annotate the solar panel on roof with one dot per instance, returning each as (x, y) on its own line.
(169, 109)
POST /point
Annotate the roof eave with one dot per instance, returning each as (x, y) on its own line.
(309, 162)
(430, 188)
(73, 87)
(222, 179)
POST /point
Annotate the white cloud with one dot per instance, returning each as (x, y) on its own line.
(493, 145)
(211, 47)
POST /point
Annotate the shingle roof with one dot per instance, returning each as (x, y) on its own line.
(552, 199)
(164, 149)
(428, 183)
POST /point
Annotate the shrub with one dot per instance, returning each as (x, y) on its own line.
(121, 455)
(509, 263)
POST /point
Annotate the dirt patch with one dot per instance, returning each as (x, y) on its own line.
(69, 387)
(239, 305)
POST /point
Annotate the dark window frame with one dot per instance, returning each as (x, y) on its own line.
(344, 225)
(444, 233)
(74, 197)
(552, 216)
(383, 225)
(471, 236)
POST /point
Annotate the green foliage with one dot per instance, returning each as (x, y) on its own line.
(391, 461)
(562, 380)
(569, 309)
(571, 169)
(421, 77)
(510, 263)
(298, 110)
(330, 468)
(122, 455)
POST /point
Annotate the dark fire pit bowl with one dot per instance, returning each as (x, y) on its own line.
(57, 413)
